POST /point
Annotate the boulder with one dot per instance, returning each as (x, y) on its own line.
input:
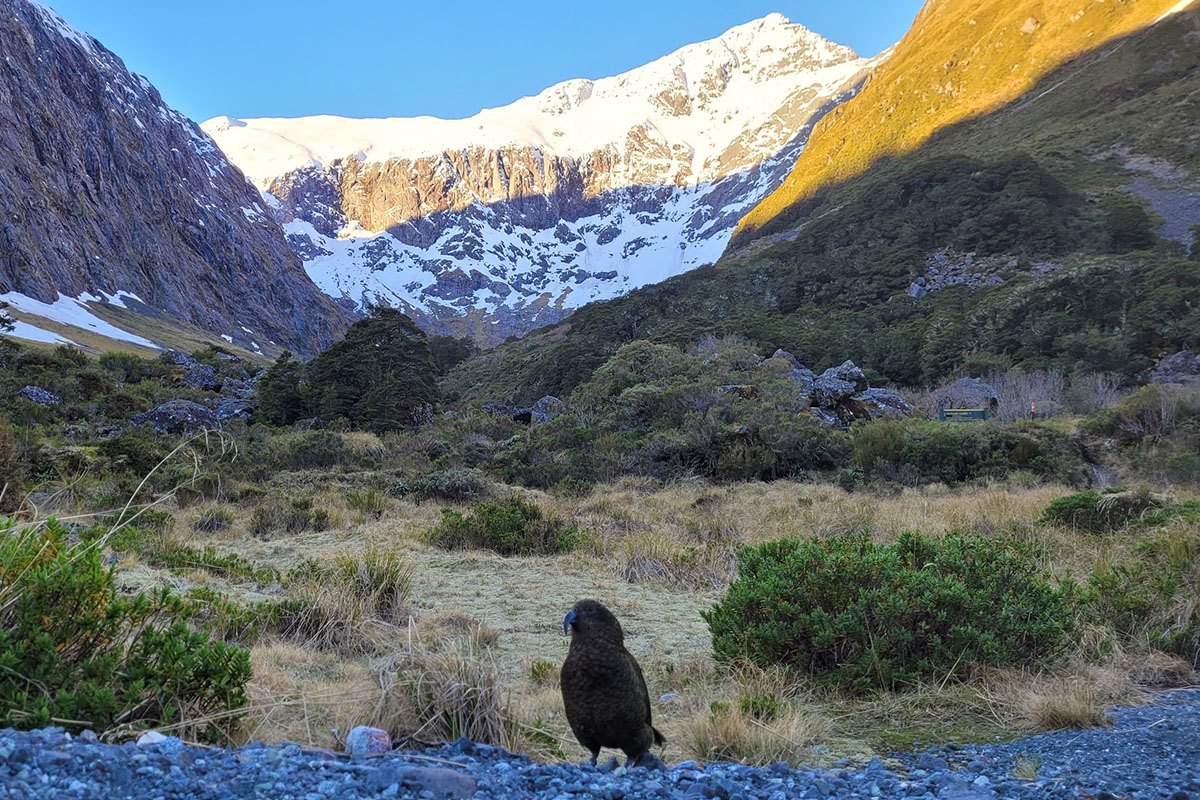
(785, 365)
(201, 376)
(178, 416)
(546, 409)
(40, 396)
(884, 404)
(848, 371)
(178, 358)
(827, 392)
(363, 740)
(235, 409)
(968, 393)
(240, 389)
(1182, 367)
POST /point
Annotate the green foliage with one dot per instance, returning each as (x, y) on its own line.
(852, 613)
(320, 449)
(543, 673)
(379, 377)
(279, 398)
(921, 451)
(1129, 227)
(512, 526)
(287, 515)
(448, 352)
(12, 467)
(370, 502)
(1152, 598)
(77, 653)
(1100, 512)
(452, 485)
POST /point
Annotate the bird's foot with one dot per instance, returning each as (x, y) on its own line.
(647, 760)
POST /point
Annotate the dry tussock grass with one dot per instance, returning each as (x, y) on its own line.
(456, 658)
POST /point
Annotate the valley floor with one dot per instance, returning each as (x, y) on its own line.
(659, 556)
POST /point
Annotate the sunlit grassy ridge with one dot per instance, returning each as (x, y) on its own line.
(959, 60)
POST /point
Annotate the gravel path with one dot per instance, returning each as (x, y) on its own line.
(1149, 752)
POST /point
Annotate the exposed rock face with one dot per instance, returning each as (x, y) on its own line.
(511, 219)
(105, 191)
(1181, 367)
(40, 396)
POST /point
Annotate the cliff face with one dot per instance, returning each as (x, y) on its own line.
(493, 225)
(106, 191)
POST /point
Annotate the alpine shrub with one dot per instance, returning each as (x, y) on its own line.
(860, 615)
(510, 527)
(76, 652)
(1099, 512)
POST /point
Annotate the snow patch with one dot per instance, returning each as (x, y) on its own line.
(32, 333)
(71, 311)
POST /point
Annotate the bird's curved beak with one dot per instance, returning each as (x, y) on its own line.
(568, 620)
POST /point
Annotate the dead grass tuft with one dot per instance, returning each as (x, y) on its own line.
(726, 733)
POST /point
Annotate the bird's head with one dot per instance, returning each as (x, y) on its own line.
(590, 618)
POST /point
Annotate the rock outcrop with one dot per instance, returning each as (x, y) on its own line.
(511, 219)
(1182, 367)
(107, 193)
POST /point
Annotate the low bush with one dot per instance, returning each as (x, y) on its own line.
(289, 516)
(1152, 600)
(922, 451)
(370, 502)
(76, 652)
(511, 527)
(1107, 511)
(449, 485)
(855, 614)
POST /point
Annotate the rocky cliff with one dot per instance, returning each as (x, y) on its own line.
(510, 219)
(105, 192)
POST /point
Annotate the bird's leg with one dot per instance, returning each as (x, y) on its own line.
(595, 755)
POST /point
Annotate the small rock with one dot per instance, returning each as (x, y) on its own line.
(669, 697)
(364, 739)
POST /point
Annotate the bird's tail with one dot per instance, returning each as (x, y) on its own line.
(658, 737)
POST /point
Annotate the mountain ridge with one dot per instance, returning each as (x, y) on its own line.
(581, 192)
(111, 194)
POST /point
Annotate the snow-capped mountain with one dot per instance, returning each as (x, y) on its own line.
(114, 203)
(510, 219)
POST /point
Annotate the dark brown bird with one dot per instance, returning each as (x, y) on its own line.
(603, 689)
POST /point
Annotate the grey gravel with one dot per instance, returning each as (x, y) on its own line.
(1149, 752)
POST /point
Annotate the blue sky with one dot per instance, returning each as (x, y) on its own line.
(378, 58)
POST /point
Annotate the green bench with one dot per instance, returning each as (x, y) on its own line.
(957, 414)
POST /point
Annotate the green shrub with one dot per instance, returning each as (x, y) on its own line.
(290, 516)
(370, 502)
(852, 613)
(76, 652)
(448, 485)
(1099, 512)
(12, 468)
(319, 449)
(1151, 600)
(510, 527)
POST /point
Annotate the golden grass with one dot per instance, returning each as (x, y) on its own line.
(481, 622)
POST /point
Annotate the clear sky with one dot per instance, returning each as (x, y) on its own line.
(446, 58)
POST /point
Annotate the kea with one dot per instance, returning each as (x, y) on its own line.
(604, 691)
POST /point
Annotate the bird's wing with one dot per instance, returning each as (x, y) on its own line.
(641, 682)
